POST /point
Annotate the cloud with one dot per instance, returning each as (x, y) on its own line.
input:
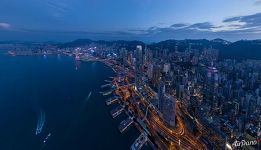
(248, 21)
(4, 25)
(204, 25)
(233, 28)
(178, 25)
(58, 8)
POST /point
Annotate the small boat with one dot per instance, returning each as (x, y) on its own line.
(46, 138)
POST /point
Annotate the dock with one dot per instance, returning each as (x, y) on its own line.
(108, 81)
(107, 92)
(125, 124)
(105, 85)
(117, 111)
(143, 125)
(111, 100)
(139, 142)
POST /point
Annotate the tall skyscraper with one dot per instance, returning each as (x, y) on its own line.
(150, 71)
(138, 65)
(161, 94)
(169, 110)
(211, 86)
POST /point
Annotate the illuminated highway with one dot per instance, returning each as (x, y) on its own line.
(178, 138)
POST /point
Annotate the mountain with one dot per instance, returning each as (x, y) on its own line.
(220, 41)
(244, 49)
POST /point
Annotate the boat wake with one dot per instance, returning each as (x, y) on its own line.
(88, 97)
(40, 122)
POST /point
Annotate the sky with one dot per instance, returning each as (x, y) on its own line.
(146, 20)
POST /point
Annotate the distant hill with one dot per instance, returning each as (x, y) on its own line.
(244, 49)
(241, 50)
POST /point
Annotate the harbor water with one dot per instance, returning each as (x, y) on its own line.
(58, 87)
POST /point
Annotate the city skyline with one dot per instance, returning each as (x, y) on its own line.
(130, 74)
(146, 20)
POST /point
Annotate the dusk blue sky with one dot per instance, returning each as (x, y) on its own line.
(147, 20)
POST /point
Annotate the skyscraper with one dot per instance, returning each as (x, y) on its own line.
(150, 71)
(169, 110)
(138, 65)
(161, 94)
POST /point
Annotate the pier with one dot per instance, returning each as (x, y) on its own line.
(107, 92)
(125, 124)
(139, 142)
(143, 125)
(111, 100)
(117, 111)
(106, 85)
(108, 81)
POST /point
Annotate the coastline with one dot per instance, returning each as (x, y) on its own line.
(99, 60)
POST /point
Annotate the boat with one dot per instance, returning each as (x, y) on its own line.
(47, 137)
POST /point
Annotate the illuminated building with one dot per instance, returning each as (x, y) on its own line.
(166, 67)
(211, 86)
(150, 71)
(138, 65)
(169, 110)
(161, 94)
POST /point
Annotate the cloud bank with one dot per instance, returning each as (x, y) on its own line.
(232, 29)
(4, 25)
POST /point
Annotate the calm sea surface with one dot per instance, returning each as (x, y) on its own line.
(52, 93)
